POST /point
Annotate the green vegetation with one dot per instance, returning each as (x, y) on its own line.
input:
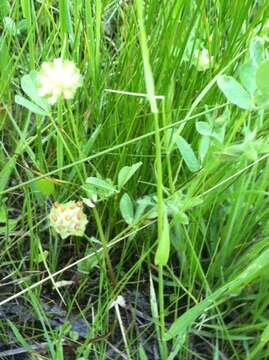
(165, 146)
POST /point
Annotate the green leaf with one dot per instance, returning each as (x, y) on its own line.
(65, 18)
(256, 50)
(262, 78)
(126, 173)
(142, 354)
(234, 92)
(88, 146)
(203, 147)
(7, 169)
(247, 75)
(45, 186)
(187, 154)
(163, 250)
(181, 325)
(41, 257)
(174, 209)
(142, 204)
(262, 100)
(4, 8)
(29, 86)
(127, 209)
(74, 335)
(102, 184)
(98, 187)
(265, 335)
(5, 56)
(182, 218)
(88, 264)
(9, 224)
(178, 343)
(3, 214)
(19, 337)
(170, 137)
(20, 100)
(22, 26)
(10, 26)
(203, 128)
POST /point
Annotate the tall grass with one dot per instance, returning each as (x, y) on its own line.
(141, 87)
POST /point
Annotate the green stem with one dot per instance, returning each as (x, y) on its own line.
(60, 139)
(149, 79)
(105, 248)
(255, 351)
(60, 161)
(161, 310)
(168, 161)
(159, 177)
(41, 156)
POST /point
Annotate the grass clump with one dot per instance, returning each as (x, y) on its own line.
(152, 118)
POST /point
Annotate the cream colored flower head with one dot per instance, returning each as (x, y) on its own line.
(57, 79)
(68, 219)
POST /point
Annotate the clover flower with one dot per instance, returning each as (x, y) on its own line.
(68, 219)
(203, 59)
(57, 79)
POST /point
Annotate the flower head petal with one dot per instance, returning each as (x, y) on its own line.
(57, 79)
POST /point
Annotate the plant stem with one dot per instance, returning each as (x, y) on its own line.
(163, 348)
(123, 332)
(59, 139)
(168, 161)
(149, 79)
(104, 244)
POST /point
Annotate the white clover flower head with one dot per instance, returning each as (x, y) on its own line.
(68, 219)
(57, 79)
(202, 58)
